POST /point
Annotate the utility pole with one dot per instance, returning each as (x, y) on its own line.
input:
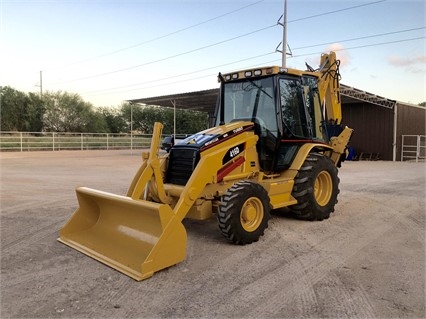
(41, 84)
(284, 50)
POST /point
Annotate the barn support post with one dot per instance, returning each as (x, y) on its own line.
(174, 119)
(395, 126)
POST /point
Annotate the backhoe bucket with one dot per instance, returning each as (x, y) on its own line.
(136, 237)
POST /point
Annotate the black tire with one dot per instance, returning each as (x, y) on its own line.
(244, 212)
(316, 187)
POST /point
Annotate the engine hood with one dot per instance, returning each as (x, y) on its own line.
(214, 135)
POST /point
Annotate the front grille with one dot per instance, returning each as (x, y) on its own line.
(182, 162)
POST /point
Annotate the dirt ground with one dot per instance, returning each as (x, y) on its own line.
(366, 261)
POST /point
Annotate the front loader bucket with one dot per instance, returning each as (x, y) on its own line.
(136, 237)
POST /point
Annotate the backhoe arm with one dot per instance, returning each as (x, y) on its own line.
(329, 87)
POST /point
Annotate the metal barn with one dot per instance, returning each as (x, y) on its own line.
(384, 129)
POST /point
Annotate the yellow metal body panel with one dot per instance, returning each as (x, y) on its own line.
(340, 143)
(201, 210)
(135, 237)
(279, 192)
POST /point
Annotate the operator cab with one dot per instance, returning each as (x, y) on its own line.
(284, 106)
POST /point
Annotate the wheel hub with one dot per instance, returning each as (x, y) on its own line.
(251, 214)
(323, 188)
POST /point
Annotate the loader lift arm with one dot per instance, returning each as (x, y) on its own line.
(149, 175)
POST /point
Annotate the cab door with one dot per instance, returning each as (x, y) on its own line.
(301, 116)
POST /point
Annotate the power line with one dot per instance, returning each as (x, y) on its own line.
(180, 75)
(335, 11)
(251, 66)
(347, 49)
(375, 44)
(250, 58)
(205, 47)
(169, 57)
(164, 35)
(153, 86)
(360, 38)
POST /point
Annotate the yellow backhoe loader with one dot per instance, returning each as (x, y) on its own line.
(277, 142)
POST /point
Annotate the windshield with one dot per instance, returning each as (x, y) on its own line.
(251, 100)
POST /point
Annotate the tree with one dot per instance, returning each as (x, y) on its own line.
(13, 111)
(35, 113)
(190, 121)
(141, 118)
(144, 118)
(114, 119)
(96, 123)
(422, 104)
(66, 112)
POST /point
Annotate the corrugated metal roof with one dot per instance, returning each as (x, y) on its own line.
(205, 101)
(364, 96)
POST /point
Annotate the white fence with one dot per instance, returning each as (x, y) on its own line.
(37, 141)
(413, 147)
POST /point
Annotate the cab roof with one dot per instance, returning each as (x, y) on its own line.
(264, 71)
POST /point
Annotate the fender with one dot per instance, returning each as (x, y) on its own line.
(304, 151)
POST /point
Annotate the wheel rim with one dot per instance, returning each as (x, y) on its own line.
(323, 188)
(251, 214)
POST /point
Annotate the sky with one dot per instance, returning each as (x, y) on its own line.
(110, 51)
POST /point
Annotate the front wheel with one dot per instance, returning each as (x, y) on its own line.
(244, 212)
(316, 187)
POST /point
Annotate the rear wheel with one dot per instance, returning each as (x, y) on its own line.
(244, 213)
(316, 187)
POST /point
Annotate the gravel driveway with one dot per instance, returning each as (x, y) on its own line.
(366, 261)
